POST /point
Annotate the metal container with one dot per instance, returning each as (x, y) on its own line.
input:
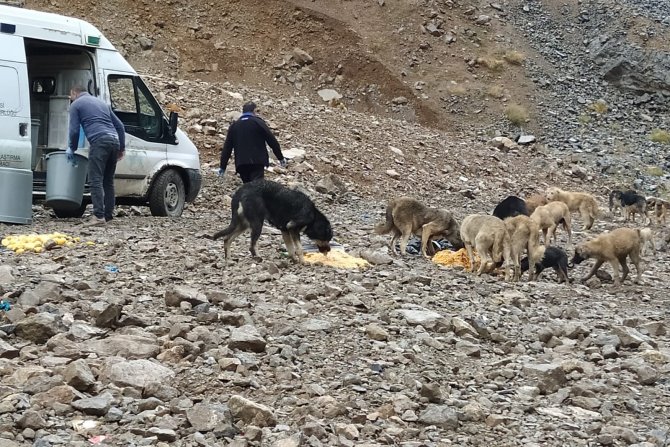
(65, 182)
(16, 196)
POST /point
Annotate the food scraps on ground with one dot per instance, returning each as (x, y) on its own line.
(336, 258)
(37, 243)
(454, 258)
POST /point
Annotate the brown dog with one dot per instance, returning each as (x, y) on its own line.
(577, 201)
(488, 235)
(549, 216)
(406, 216)
(525, 235)
(534, 201)
(660, 208)
(612, 247)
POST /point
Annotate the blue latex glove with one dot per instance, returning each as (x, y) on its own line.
(221, 172)
(283, 162)
(70, 156)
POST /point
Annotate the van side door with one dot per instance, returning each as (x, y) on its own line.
(15, 129)
(146, 139)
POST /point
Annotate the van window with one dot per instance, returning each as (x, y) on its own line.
(136, 108)
(9, 99)
(44, 86)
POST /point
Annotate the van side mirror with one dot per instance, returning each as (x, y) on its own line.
(174, 117)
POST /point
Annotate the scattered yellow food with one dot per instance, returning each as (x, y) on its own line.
(454, 258)
(36, 243)
(336, 258)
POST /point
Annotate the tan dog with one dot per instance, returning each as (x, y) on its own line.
(577, 201)
(660, 208)
(646, 239)
(534, 201)
(549, 216)
(525, 235)
(488, 235)
(612, 247)
(406, 216)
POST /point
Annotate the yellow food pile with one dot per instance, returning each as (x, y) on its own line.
(454, 258)
(37, 243)
(336, 258)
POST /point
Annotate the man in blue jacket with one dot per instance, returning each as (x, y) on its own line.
(247, 136)
(107, 138)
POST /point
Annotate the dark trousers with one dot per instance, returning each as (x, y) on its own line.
(249, 173)
(102, 158)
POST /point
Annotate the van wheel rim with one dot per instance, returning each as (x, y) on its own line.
(171, 196)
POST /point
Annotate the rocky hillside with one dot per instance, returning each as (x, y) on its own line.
(142, 334)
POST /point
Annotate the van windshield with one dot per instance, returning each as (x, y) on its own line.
(136, 107)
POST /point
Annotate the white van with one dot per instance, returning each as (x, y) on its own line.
(42, 56)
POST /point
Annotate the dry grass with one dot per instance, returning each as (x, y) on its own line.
(495, 65)
(600, 106)
(456, 89)
(514, 57)
(516, 114)
(660, 136)
(496, 91)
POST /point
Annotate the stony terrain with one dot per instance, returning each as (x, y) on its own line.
(149, 337)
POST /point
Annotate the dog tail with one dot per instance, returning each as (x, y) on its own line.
(387, 225)
(233, 220)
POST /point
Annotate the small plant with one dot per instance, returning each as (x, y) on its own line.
(600, 106)
(456, 89)
(654, 171)
(514, 57)
(495, 65)
(516, 114)
(660, 136)
(496, 91)
(584, 119)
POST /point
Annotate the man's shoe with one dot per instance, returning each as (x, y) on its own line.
(95, 221)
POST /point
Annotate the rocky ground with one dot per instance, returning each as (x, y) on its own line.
(149, 337)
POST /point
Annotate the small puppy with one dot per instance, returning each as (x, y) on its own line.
(550, 257)
(406, 216)
(510, 207)
(613, 247)
(534, 201)
(489, 236)
(289, 210)
(583, 202)
(549, 216)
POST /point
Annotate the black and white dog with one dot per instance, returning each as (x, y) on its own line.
(289, 210)
(553, 257)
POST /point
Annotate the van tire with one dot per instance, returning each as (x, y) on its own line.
(65, 213)
(168, 194)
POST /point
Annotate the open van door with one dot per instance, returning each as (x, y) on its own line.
(15, 129)
(144, 121)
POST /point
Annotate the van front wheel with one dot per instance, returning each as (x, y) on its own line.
(168, 195)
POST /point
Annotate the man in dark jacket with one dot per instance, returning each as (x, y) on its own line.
(248, 136)
(107, 138)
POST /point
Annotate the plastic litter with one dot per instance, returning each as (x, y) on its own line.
(4, 305)
(84, 424)
(112, 268)
(95, 440)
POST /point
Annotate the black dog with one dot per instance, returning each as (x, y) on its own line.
(553, 257)
(510, 207)
(287, 209)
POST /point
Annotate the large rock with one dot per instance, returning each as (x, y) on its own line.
(78, 375)
(331, 184)
(441, 416)
(251, 413)
(247, 338)
(630, 338)
(7, 351)
(328, 94)
(45, 292)
(301, 57)
(38, 328)
(549, 377)
(425, 318)
(6, 274)
(175, 296)
(95, 406)
(142, 346)
(205, 417)
(135, 373)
